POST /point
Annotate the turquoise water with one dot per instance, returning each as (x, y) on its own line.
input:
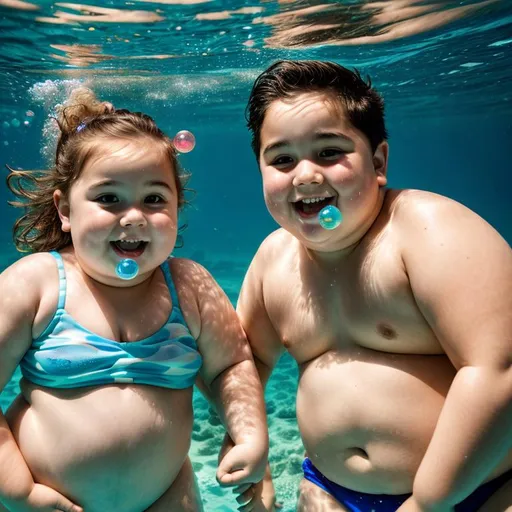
(445, 75)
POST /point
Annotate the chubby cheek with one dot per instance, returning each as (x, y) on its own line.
(164, 223)
(276, 188)
(96, 223)
(166, 227)
(351, 182)
(361, 199)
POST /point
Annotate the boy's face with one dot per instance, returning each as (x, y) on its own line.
(311, 156)
(123, 205)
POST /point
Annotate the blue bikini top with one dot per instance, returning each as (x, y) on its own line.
(67, 355)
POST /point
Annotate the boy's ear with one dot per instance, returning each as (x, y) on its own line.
(62, 205)
(380, 163)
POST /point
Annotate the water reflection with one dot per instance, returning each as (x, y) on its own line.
(18, 4)
(96, 14)
(205, 44)
(367, 22)
(80, 55)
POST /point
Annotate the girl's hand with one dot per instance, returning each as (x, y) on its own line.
(243, 464)
(251, 497)
(44, 499)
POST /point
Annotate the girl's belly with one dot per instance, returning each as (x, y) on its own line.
(108, 448)
(366, 420)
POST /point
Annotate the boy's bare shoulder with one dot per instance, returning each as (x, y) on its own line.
(417, 209)
(274, 246)
(425, 221)
(411, 201)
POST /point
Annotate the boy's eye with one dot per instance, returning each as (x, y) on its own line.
(331, 153)
(107, 199)
(282, 161)
(154, 199)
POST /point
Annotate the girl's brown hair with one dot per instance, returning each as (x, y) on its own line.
(82, 120)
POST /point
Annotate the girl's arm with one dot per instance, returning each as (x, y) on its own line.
(20, 296)
(19, 301)
(229, 373)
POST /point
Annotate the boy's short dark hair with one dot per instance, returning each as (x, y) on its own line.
(362, 104)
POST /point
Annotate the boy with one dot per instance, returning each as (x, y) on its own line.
(400, 319)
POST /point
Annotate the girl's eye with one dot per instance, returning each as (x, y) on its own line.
(331, 153)
(282, 161)
(107, 199)
(154, 199)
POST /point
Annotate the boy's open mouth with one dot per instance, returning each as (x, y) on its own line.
(129, 248)
(310, 207)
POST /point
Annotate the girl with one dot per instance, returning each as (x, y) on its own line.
(104, 418)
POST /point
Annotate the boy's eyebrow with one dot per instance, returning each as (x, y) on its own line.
(114, 183)
(316, 136)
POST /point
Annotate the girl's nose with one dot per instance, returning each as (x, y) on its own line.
(133, 218)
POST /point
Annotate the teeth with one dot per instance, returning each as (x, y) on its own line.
(314, 199)
(130, 241)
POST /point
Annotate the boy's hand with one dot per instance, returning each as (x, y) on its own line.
(44, 499)
(258, 497)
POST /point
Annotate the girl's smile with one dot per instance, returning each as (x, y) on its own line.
(123, 205)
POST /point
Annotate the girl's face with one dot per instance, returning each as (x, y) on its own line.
(123, 205)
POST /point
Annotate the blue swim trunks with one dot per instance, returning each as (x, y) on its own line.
(362, 502)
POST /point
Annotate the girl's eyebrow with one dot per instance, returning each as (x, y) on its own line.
(114, 183)
(156, 183)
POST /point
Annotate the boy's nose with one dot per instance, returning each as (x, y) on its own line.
(306, 173)
(133, 218)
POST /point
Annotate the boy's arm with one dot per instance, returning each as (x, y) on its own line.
(460, 271)
(266, 347)
(265, 343)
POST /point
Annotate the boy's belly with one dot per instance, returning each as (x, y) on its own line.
(108, 448)
(366, 418)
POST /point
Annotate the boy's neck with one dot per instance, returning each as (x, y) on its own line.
(330, 258)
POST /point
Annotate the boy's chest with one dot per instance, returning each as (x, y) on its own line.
(365, 304)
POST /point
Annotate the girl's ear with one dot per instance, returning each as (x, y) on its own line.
(62, 205)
